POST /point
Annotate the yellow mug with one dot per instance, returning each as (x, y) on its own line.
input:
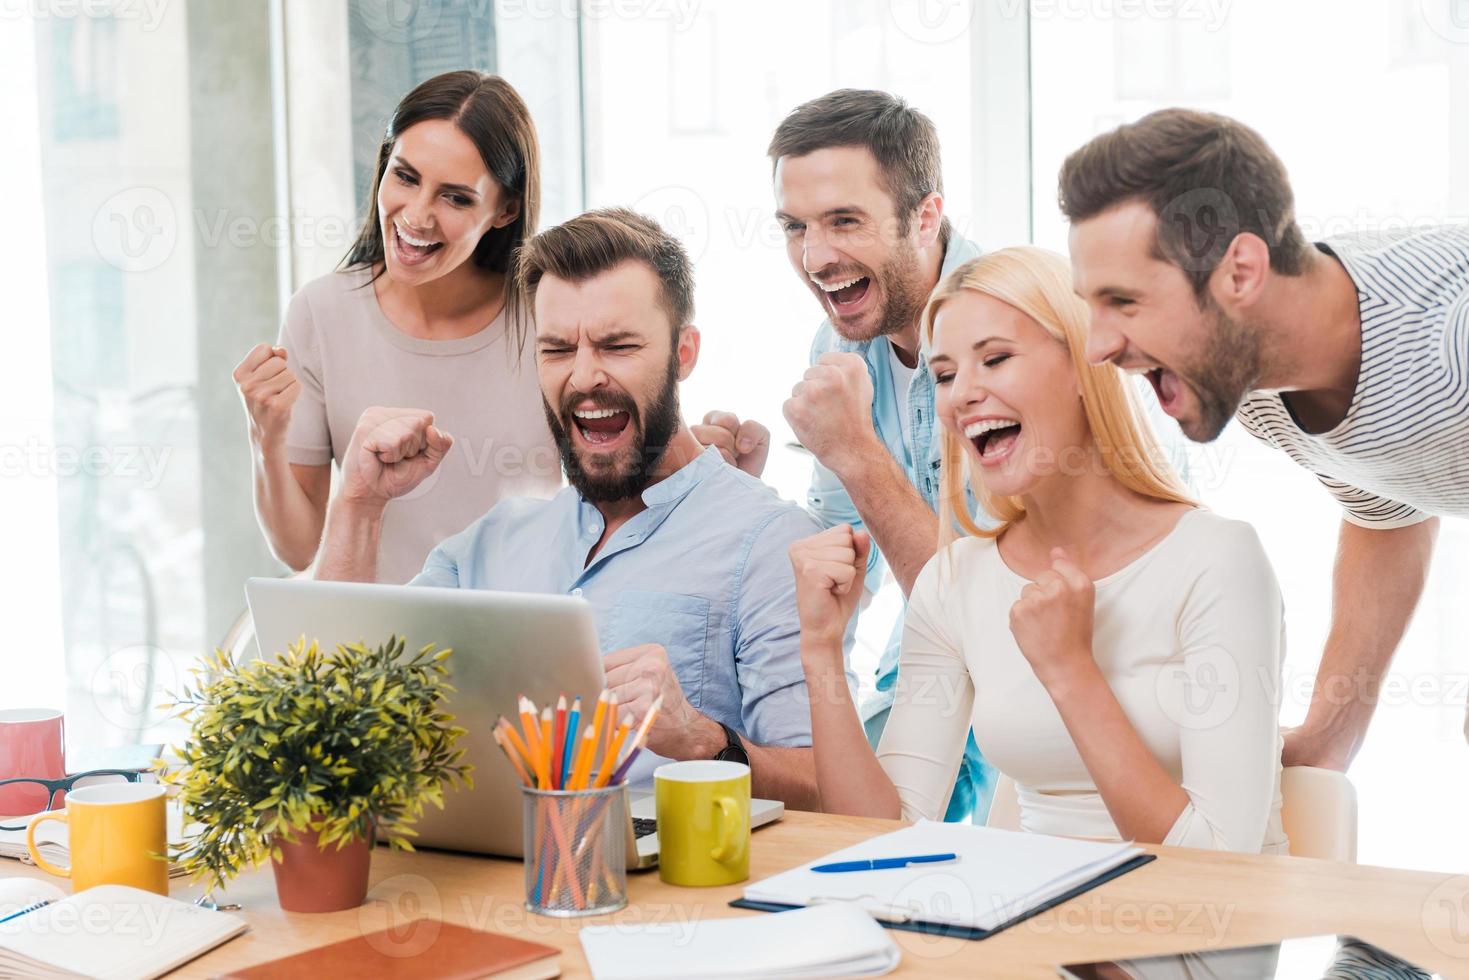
(703, 822)
(113, 833)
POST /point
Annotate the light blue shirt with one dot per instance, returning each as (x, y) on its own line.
(829, 501)
(703, 571)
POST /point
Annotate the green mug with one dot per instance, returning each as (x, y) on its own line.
(703, 822)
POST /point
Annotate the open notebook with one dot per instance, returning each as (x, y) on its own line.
(111, 931)
(1000, 878)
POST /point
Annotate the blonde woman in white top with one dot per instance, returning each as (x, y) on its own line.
(1116, 648)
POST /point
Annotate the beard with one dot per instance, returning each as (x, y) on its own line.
(1228, 368)
(903, 296)
(627, 472)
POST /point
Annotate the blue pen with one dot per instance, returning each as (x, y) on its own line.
(572, 720)
(884, 864)
(29, 908)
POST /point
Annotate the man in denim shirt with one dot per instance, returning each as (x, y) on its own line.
(859, 196)
(683, 559)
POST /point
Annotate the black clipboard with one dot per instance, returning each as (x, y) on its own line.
(969, 932)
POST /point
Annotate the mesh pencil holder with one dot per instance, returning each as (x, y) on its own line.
(575, 850)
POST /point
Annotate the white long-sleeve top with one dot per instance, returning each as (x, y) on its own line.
(1189, 636)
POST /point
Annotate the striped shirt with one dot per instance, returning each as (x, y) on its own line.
(1402, 452)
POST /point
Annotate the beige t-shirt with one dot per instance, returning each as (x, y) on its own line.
(482, 390)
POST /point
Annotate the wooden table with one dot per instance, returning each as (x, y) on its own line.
(1187, 899)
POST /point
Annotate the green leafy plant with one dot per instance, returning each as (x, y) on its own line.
(346, 744)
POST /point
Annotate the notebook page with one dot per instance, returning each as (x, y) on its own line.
(823, 941)
(999, 874)
(117, 933)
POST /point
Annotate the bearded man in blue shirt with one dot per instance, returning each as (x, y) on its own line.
(683, 558)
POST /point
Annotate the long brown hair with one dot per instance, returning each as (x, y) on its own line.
(492, 114)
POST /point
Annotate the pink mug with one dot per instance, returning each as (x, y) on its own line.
(32, 743)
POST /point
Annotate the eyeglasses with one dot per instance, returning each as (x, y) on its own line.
(23, 798)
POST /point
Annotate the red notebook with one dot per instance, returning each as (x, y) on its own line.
(456, 953)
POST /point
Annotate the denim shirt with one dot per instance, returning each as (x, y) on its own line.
(830, 502)
(703, 571)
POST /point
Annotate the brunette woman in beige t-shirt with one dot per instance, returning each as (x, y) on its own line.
(422, 315)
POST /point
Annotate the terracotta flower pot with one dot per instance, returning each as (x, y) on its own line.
(313, 879)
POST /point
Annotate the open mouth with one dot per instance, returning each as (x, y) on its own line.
(601, 428)
(411, 250)
(993, 439)
(845, 295)
(1169, 389)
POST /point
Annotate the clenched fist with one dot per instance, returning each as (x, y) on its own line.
(392, 451)
(743, 444)
(830, 568)
(639, 676)
(268, 389)
(1052, 619)
(830, 410)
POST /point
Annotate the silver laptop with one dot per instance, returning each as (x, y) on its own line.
(505, 644)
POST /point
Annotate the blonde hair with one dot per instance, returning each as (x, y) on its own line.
(1037, 282)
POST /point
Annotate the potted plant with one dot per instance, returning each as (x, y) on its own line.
(307, 760)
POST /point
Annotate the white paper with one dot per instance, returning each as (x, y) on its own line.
(823, 941)
(999, 874)
(111, 932)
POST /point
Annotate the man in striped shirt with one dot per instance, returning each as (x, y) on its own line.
(1352, 357)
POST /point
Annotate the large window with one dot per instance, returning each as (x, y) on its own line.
(155, 160)
(1368, 105)
(680, 108)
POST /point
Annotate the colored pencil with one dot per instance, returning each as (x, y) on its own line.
(510, 754)
(545, 760)
(528, 713)
(513, 737)
(638, 741)
(599, 717)
(609, 760)
(558, 741)
(584, 755)
(568, 751)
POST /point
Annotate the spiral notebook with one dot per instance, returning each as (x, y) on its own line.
(113, 932)
(1001, 877)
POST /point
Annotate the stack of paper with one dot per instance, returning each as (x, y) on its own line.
(825, 941)
(1000, 875)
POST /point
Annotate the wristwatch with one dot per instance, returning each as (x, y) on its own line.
(734, 749)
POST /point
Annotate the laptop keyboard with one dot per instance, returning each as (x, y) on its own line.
(643, 826)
